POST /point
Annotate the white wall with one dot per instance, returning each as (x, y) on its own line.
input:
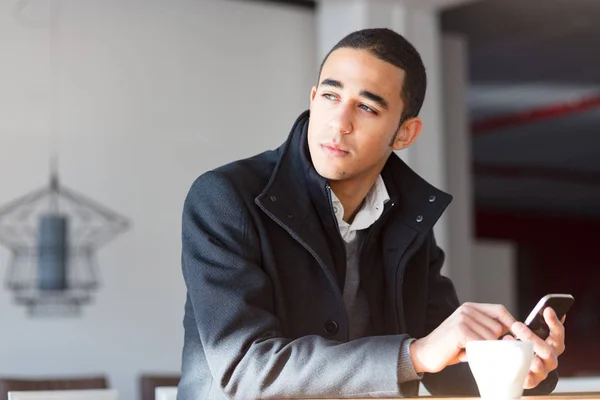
(152, 94)
(459, 176)
(495, 263)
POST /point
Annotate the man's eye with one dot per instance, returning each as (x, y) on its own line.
(329, 96)
(368, 109)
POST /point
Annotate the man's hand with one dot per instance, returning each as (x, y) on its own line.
(446, 344)
(546, 351)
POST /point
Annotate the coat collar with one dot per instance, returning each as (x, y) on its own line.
(296, 193)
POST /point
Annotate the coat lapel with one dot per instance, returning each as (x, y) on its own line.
(419, 205)
(395, 250)
(286, 199)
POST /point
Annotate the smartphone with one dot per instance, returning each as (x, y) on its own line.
(560, 303)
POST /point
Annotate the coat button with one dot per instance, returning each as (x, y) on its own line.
(419, 218)
(331, 327)
(432, 198)
(273, 198)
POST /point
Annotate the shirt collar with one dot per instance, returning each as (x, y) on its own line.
(369, 212)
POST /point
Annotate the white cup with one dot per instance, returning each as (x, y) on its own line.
(500, 367)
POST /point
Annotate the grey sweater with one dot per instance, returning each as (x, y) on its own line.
(358, 309)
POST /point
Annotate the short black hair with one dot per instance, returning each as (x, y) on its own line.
(391, 47)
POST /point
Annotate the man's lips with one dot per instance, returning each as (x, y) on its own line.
(334, 150)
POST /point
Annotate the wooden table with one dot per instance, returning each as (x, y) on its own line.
(555, 396)
(568, 396)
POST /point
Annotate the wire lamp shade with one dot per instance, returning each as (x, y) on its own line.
(53, 234)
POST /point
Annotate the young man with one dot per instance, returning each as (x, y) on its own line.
(312, 270)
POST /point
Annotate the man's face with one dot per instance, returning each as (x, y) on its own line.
(354, 115)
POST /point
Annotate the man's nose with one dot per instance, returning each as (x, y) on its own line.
(341, 122)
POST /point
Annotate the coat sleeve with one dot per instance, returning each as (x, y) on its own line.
(233, 307)
(456, 380)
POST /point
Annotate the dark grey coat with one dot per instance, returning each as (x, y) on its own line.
(264, 267)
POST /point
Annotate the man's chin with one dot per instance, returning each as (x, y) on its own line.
(332, 175)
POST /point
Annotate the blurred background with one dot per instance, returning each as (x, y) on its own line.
(135, 99)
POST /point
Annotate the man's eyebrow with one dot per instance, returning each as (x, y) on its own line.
(364, 93)
(332, 82)
(375, 97)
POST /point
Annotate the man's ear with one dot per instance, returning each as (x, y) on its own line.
(408, 132)
(313, 93)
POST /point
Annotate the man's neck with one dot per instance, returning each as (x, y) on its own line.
(352, 194)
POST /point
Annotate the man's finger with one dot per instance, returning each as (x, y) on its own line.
(489, 328)
(556, 339)
(530, 381)
(495, 311)
(557, 345)
(537, 368)
(472, 329)
(556, 327)
(541, 348)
